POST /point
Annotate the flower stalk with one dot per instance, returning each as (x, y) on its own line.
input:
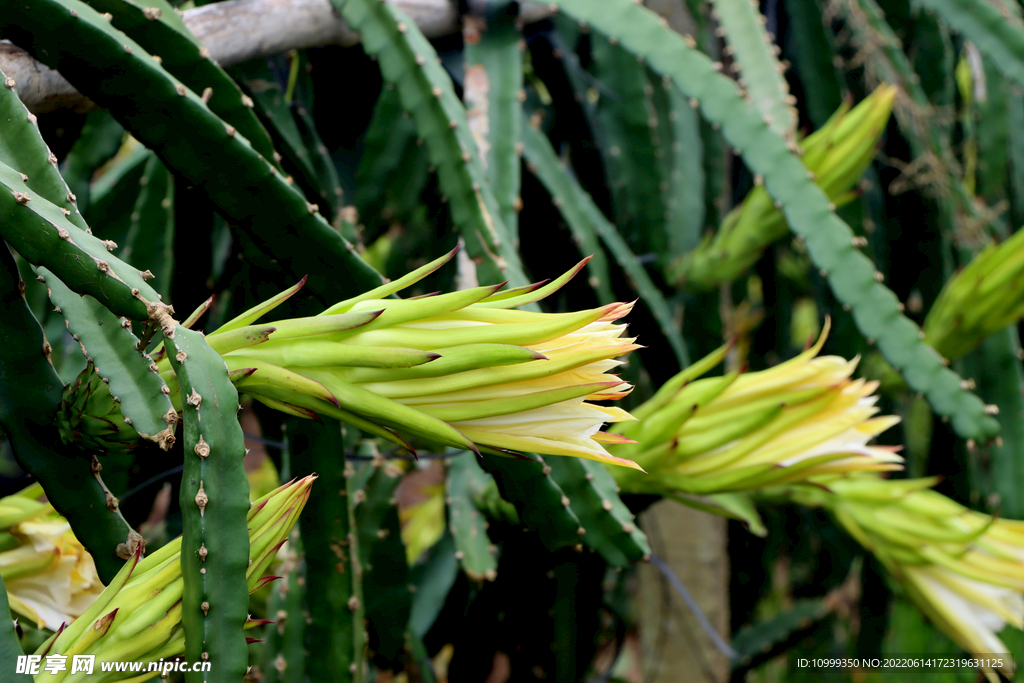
(836, 156)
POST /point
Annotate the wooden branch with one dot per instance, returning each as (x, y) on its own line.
(239, 30)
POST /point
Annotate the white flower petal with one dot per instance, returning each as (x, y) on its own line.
(978, 623)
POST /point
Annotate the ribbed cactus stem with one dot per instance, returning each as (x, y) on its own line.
(473, 548)
(336, 637)
(214, 502)
(407, 59)
(283, 659)
(387, 600)
(170, 113)
(27, 152)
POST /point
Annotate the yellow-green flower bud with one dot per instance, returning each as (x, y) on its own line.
(984, 297)
(462, 369)
(742, 431)
(836, 155)
(91, 418)
(138, 616)
(963, 569)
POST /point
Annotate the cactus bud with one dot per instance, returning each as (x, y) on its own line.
(836, 156)
(91, 418)
(799, 419)
(960, 567)
(984, 297)
(461, 369)
(145, 596)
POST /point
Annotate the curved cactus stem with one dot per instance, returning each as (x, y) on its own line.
(155, 26)
(329, 192)
(261, 84)
(421, 664)
(629, 145)
(684, 173)
(983, 24)
(119, 186)
(214, 504)
(754, 54)
(473, 548)
(566, 195)
(829, 240)
(407, 59)
(610, 527)
(812, 60)
(994, 136)
(393, 169)
(997, 366)
(131, 374)
(567, 604)
(23, 149)
(42, 234)
(29, 400)
(283, 659)
(192, 141)
(335, 634)
(756, 640)
(433, 579)
(919, 121)
(24, 152)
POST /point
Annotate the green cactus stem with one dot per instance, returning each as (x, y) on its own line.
(214, 502)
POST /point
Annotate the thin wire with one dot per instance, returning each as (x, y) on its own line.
(388, 455)
(391, 455)
(279, 445)
(152, 480)
(698, 614)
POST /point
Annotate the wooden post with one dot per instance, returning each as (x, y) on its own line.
(673, 645)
